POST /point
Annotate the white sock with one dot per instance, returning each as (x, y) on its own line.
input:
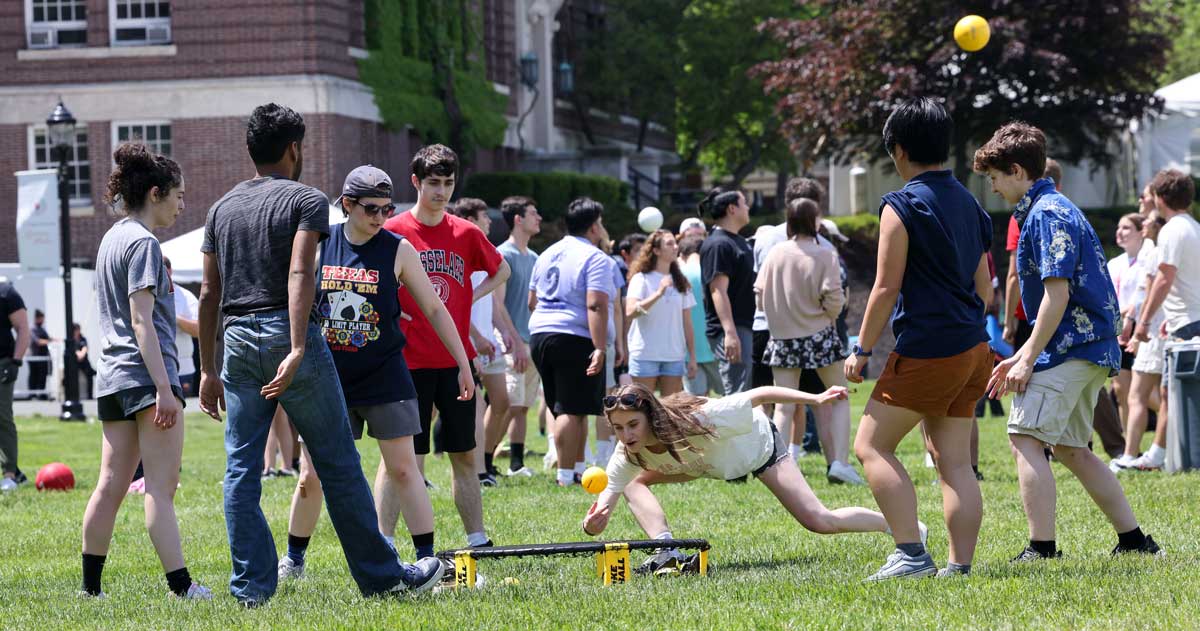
(579, 467)
(666, 534)
(604, 451)
(566, 476)
(1156, 454)
(477, 538)
(796, 450)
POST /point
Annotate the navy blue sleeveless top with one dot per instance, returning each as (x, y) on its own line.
(359, 318)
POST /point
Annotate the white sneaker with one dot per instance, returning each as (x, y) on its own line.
(8, 485)
(1145, 463)
(288, 569)
(523, 472)
(1121, 463)
(924, 530)
(195, 592)
(929, 464)
(842, 472)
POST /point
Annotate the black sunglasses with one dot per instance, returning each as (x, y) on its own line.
(627, 400)
(372, 209)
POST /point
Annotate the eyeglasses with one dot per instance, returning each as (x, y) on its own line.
(373, 209)
(627, 400)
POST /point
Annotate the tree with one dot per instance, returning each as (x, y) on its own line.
(1184, 59)
(427, 72)
(1079, 69)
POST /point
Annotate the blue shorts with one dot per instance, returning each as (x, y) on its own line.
(651, 368)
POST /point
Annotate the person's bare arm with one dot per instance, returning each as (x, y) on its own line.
(779, 395)
(495, 280)
(191, 327)
(302, 289)
(597, 317)
(983, 282)
(19, 320)
(1012, 298)
(1159, 289)
(889, 276)
(719, 289)
(1012, 374)
(410, 272)
(212, 397)
(141, 314)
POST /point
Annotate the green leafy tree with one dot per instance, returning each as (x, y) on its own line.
(427, 71)
(1184, 59)
(1079, 69)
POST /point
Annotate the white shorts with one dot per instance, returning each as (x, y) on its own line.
(522, 387)
(1151, 356)
(493, 365)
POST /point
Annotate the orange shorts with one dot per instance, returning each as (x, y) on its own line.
(945, 386)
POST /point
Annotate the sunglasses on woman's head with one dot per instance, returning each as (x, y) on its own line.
(626, 400)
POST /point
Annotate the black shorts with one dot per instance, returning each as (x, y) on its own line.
(562, 361)
(810, 382)
(779, 452)
(456, 424)
(760, 373)
(1127, 360)
(124, 405)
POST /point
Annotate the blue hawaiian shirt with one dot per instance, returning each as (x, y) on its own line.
(1058, 242)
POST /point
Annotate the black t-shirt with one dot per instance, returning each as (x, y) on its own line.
(250, 231)
(38, 332)
(10, 303)
(729, 254)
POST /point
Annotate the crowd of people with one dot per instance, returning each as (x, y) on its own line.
(698, 352)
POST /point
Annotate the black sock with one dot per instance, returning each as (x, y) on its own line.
(1132, 540)
(93, 567)
(959, 568)
(296, 548)
(1044, 548)
(484, 475)
(516, 456)
(423, 544)
(487, 462)
(179, 581)
(911, 549)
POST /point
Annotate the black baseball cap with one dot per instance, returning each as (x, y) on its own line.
(367, 181)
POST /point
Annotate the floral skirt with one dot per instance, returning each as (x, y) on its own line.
(814, 351)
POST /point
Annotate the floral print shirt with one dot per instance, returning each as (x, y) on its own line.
(1058, 242)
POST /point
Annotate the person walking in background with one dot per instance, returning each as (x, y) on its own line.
(707, 378)
(39, 349)
(727, 272)
(661, 341)
(14, 342)
(799, 288)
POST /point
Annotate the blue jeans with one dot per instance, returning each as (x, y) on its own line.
(255, 345)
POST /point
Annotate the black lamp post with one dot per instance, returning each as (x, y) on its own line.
(529, 79)
(61, 126)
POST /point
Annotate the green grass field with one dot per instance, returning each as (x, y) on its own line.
(767, 571)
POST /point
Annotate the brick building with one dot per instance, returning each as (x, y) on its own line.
(183, 76)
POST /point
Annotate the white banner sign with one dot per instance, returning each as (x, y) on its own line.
(37, 223)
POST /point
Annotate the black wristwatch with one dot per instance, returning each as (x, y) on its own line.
(858, 350)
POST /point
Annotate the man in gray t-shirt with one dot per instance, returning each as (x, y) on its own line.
(130, 260)
(260, 249)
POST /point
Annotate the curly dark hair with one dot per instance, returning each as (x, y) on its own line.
(434, 160)
(271, 129)
(1014, 144)
(647, 261)
(138, 171)
(672, 420)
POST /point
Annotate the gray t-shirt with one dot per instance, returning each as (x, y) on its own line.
(516, 288)
(130, 260)
(251, 230)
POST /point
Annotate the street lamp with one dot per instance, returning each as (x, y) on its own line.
(529, 79)
(566, 79)
(61, 126)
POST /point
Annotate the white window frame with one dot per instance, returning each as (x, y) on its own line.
(79, 205)
(154, 145)
(115, 23)
(56, 24)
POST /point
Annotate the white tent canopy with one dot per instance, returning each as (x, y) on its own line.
(1164, 141)
(187, 263)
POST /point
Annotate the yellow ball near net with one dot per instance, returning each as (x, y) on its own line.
(594, 480)
(972, 33)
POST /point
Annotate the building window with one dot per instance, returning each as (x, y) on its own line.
(139, 22)
(79, 170)
(54, 23)
(156, 135)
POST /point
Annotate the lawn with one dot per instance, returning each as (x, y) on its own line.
(767, 571)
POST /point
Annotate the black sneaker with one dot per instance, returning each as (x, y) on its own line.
(487, 480)
(485, 544)
(1029, 554)
(19, 477)
(978, 475)
(665, 560)
(1148, 547)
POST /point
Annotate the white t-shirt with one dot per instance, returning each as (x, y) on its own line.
(765, 238)
(744, 442)
(1147, 267)
(1179, 246)
(186, 306)
(658, 334)
(481, 311)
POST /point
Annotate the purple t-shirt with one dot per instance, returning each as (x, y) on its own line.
(561, 278)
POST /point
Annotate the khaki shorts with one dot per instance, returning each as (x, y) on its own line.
(522, 387)
(1058, 404)
(494, 365)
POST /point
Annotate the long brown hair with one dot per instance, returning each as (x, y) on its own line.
(672, 420)
(647, 261)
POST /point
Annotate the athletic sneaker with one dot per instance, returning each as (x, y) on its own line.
(946, 572)
(523, 472)
(900, 565)
(285, 473)
(840, 472)
(487, 480)
(924, 530)
(1029, 554)
(1124, 462)
(419, 577)
(8, 485)
(289, 569)
(1148, 547)
(195, 592)
(664, 562)
(88, 595)
(1145, 463)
